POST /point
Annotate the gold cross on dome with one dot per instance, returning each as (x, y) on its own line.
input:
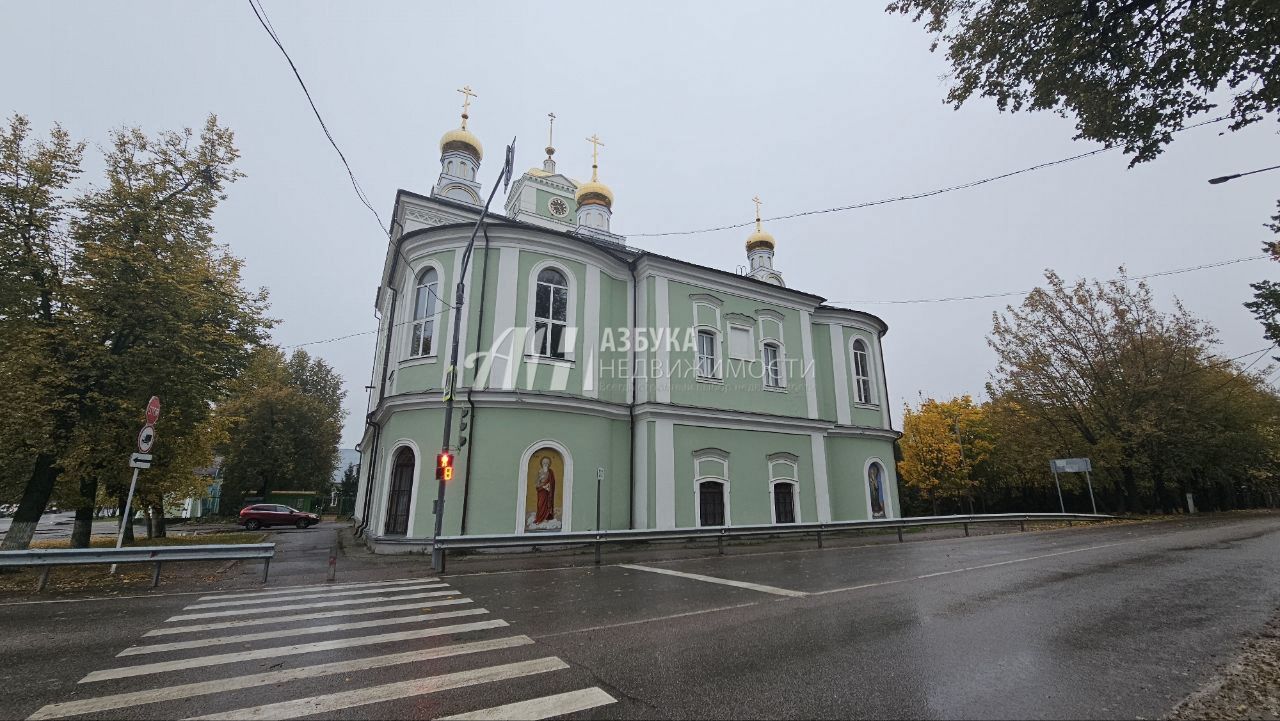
(756, 200)
(595, 154)
(467, 95)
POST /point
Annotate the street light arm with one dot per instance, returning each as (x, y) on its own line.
(1224, 178)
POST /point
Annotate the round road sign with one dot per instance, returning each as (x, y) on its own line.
(153, 410)
(146, 438)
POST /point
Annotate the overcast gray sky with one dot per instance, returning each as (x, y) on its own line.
(701, 106)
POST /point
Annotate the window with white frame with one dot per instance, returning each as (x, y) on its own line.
(862, 372)
(424, 314)
(711, 487)
(708, 362)
(784, 488)
(550, 313)
(772, 366)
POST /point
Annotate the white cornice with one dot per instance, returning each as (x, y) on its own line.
(721, 282)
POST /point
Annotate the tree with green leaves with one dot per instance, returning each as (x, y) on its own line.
(283, 424)
(148, 305)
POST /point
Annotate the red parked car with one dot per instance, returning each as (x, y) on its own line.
(264, 515)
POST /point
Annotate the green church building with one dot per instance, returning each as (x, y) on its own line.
(595, 375)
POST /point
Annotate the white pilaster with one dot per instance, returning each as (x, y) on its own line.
(640, 484)
(662, 325)
(840, 369)
(821, 489)
(664, 452)
(808, 363)
(642, 357)
(589, 358)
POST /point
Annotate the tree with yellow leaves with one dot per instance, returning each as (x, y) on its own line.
(943, 443)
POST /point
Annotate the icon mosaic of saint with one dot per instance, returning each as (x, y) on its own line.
(544, 493)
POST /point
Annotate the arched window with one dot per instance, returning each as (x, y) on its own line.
(550, 313)
(784, 488)
(876, 490)
(772, 366)
(862, 372)
(424, 314)
(400, 493)
(448, 168)
(711, 503)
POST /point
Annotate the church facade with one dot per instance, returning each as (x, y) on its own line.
(604, 386)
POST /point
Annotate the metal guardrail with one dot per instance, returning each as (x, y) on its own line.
(720, 533)
(48, 558)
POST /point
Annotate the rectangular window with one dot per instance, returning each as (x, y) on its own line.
(772, 367)
(741, 343)
(707, 363)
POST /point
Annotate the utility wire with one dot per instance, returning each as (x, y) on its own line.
(913, 196)
(1006, 294)
(261, 13)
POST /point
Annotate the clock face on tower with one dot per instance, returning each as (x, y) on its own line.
(558, 207)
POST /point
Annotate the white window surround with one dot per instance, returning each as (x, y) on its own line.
(571, 312)
(405, 323)
(384, 492)
(888, 487)
(771, 333)
(864, 386)
(795, 499)
(716, 472)
(712, 303)
(522, 489)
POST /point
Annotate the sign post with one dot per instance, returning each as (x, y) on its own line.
(139, 460)
(1073, 465)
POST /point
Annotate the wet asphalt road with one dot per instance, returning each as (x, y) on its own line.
(1106, 622)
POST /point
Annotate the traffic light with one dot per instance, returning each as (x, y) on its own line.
(444, 466)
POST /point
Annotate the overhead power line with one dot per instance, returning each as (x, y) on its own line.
(1006, 294)
(912, 196)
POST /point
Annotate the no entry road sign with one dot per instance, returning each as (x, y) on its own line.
(146, 438)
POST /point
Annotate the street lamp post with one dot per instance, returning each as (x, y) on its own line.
(1225, 178)
(437, 553)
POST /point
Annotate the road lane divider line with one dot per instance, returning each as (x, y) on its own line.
(308, 596)
(293, 650)
(639, 621)
(270, 678)
(722, 581)
(241, 623)
(300, 606)
(388, 692)
(306, 630)
(980, 567)
(317, 587)
(541, 708)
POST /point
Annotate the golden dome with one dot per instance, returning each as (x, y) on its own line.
(593, 192)
(760, 239)
(464, 140)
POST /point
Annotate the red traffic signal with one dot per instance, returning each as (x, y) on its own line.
(444, 466)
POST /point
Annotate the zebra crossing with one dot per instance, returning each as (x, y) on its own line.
(402, 648)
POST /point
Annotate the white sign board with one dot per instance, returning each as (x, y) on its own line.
(140, 460)
(1070, 465)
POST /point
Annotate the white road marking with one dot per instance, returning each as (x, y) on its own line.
(722, 581)
(391, 691)
(975, 568)
(540, 708)
(319, 586)
(304, 617)
(607, 626)
(287, 632)
(306, 596)
(299, 606)
(270, 678)
(276, 651)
